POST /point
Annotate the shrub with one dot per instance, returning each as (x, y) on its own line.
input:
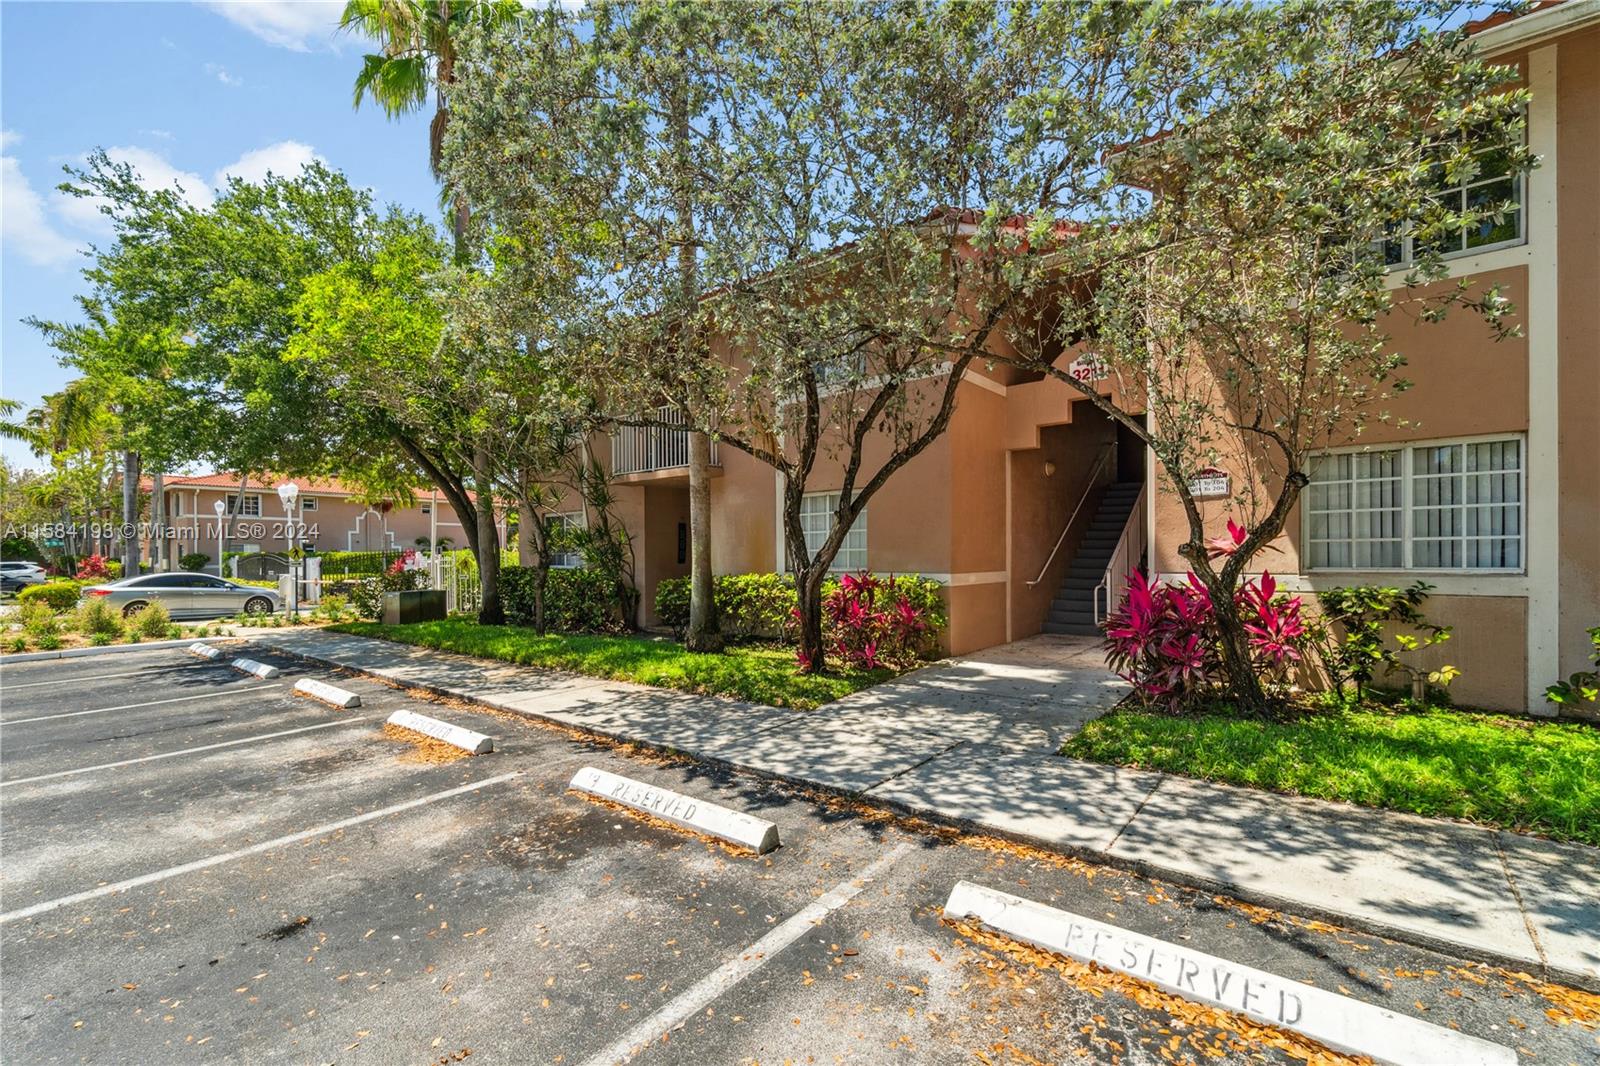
(55, 595)
(367, 595)
(114, 569)
(762, 606)
(1367, 615)
(48, 642)
(100, 640)
(37, 619)
(93, 568)
(1581, 687)
(1163, 639)
(152, 621)
(17, 644)
(870, 623)
(579, 600)
(19, 548)
(97, 618)
(194, 560)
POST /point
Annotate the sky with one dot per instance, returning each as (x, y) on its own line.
(187, 93)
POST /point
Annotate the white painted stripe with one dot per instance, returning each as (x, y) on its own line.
(254, 849)
(692, 1000)
(156, 672)
(183, 751)
(1339, 1022)
(123, 707)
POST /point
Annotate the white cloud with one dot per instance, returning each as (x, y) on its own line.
(24, 225)
(300, 25)
(9, 138)
(285, 159)
(233, 81)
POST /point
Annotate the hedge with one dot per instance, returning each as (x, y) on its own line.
(576, 600)
(762, 606)
(57, 595)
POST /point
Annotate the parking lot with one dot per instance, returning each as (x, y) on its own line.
(200, 866)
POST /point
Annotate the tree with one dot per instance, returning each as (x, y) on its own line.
(418, 60)
(1246, 301)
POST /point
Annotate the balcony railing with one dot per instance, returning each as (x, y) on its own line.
(638, 449)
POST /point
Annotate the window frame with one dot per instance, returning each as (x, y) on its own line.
(250, 499)
(860, 525)
(308, 503)
(1519, 194)
(572, 520)
(1407, 450)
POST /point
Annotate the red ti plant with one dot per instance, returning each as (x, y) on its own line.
(93, 568)
(869, 624)
(1163, 639)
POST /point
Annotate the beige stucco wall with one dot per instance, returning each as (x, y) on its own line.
(1578, 265)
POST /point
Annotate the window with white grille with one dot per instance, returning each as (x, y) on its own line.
(571, 560)
(1447, 505)
(251, 509)
(816, 519)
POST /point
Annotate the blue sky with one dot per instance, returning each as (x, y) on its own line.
(185, 92)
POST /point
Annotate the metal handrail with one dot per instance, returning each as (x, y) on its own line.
(1099, 465)
(1117, 569)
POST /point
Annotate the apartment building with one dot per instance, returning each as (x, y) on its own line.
(335, 517)
(1033, 505)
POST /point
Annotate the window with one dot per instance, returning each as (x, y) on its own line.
(1451, 505)
(252, 506)
(308, 503)
(177, 505)
(1496, 181)
(816, 519)
(570, 560)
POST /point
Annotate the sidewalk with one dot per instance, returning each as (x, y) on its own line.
(972, 740)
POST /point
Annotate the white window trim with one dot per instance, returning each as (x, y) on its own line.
(576, 519)
(243, 505)
(1407, 449)
(308, 503)
(1397, 271)
(835, 567)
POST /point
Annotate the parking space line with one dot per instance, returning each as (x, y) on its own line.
(130, 706)
(694, 999)
(254, 849)
(183, 751)
(6, 687)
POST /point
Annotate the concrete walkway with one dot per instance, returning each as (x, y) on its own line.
(973, 740)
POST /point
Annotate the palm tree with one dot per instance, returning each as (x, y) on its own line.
(417, 62)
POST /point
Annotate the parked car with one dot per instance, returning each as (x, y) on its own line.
(17, 573)
(186, 595)
(10, 584)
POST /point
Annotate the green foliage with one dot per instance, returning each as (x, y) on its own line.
(21, 548)
(333, 608)
(100, 640)
(1583, 686)
(17, 644)
(48, 641)
(578, 600)
(748, 672)
(56, 595)
(340, 563)
(367, 596)
(762, 606)
(1362, 635)
(37, 619)
(194, 560)
(152, 621)
(96, 617)
(1500, 770)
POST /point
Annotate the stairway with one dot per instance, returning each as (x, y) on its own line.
(1072, 611)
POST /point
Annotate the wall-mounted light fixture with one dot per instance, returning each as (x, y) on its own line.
(1049, 469)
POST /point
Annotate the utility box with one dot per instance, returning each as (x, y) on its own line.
(424, 605)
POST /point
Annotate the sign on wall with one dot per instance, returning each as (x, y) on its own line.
(1209, 482)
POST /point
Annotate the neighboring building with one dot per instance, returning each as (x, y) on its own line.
(335, 517)
(1493, 497)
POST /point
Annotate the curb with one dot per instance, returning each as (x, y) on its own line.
(109, 649)
(1530, 963)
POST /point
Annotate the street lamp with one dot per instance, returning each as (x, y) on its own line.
(219, 507)
(287, 493)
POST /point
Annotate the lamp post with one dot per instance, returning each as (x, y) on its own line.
(219, 507)
(287, 492)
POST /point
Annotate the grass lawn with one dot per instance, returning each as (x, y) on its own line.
(747, 672)
(1542, 777)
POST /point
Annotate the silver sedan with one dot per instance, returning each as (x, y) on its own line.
(185, 595)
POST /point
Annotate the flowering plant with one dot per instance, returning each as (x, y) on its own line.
(870, 623)
(93, 568)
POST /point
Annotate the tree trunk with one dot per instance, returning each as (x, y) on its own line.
(1234, 644)
(490, 612)
(130, 514)
(158, 523)
(703, 633)
(808, 597)
(541, 579)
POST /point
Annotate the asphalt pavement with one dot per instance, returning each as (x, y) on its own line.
(201, 867)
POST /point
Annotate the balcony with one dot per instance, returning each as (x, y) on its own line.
(648, 449)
